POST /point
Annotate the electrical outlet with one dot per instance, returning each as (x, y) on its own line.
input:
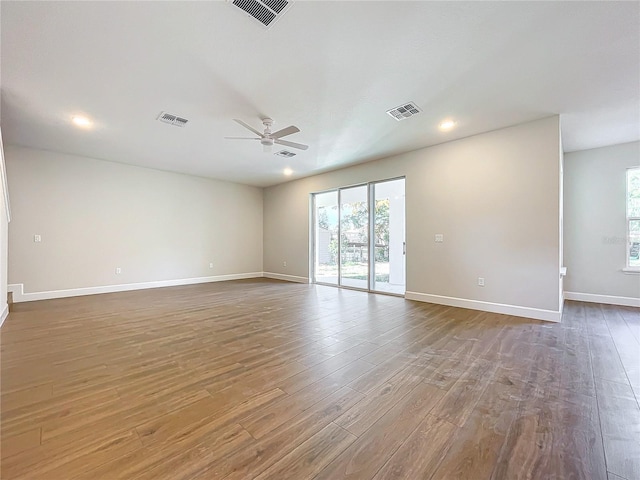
(439, 238)
(118, 270)
(284, 264)
(480, 282)
(37, 238)
(211, 265)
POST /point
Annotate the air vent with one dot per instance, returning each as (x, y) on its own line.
(172, 119)
(264, 11)
(404, 111)
(285, 153)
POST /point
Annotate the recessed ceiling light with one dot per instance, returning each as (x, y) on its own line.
(287, 171)
(81, 121)
(447, 125)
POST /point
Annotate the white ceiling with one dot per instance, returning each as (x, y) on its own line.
(331, 68)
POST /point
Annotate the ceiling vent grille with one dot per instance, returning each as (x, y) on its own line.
(172, 119)
(285, 153)
(404, 111)
(264, 11)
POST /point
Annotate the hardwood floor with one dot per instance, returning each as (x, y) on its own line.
(272, 380)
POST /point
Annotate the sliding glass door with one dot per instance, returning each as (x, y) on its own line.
(326, 237)
(354, 237)
(388, 219)
(359, 237)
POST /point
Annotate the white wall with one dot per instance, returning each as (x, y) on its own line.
(496, 199)
(595, 224)
(4, 239)
(94, 216)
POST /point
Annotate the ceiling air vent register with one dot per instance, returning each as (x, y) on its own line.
(404, 111)
(172, 119)
(285, 153)
(264, 11)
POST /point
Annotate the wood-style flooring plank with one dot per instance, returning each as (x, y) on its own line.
(620, 421)
(626, 345)
(68, 459)
(197, 461)
(370, 452)
(13, 444)
(199, 420)
(267, 419)
(613, 476)
(113, 415)
(253, 461)
(632, 318)
(311, 456)
(421, 452)
(27, 396)
(475, 448)
(364, 414)
(460, 400)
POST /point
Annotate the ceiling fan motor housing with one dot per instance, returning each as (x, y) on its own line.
(266, 140)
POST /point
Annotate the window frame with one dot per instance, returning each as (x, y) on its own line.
(629, 219)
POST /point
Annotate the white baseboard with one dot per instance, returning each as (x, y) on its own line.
(5, 314)
(286, 278)
(515, 310)
(608, 299)
(20, 296)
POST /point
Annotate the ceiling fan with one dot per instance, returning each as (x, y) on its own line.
(268, 138)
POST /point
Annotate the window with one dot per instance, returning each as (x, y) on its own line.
(633, 218)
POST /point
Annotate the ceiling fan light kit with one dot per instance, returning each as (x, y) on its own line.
(269, 138)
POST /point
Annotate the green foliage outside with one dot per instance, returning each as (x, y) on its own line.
(354, 237)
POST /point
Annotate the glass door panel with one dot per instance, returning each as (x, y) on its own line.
(326, 238)
(354, 237)
(389, 237)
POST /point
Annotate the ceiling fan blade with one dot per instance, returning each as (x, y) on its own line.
(242, 138)
(248, 127)
(292, 144)
(285, 131)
